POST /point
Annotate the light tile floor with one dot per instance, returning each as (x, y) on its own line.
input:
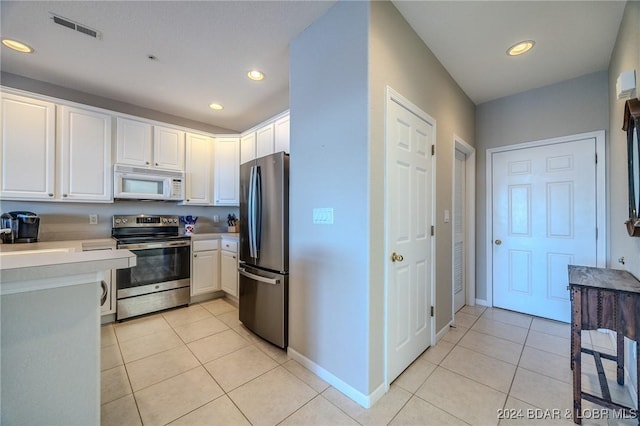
(200, 366)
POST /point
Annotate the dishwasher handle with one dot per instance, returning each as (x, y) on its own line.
(272, 281)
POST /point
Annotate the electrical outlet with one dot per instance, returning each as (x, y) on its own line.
(93, 219)
(216, 218)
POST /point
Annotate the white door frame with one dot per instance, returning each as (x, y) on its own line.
(601, 199)
(392, 96)
(470, 219)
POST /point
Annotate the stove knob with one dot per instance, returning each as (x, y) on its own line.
(164, 220)
(118, 220)
(125, 220)
(175, 220)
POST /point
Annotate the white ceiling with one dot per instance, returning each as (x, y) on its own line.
(205, 48)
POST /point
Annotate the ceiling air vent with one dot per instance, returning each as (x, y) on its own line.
(75, 26)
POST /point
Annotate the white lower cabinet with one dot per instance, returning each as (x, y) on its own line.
(205, 267)
(229, 266)
(107, 286)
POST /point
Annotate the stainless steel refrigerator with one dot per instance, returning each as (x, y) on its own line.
(264, 247)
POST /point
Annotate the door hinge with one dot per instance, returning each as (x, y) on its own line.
(596, 158)
(432, 311)
(433, 150)
(433, 231)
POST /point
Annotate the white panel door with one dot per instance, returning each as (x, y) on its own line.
(409, 208)
(459, 232)
(265, 139)
(227, 172)
(544, 218)
(27, 136)
(198, 176)
(133, 142)
(168, 148)
(85, 155)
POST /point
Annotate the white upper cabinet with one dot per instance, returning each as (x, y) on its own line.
(139, 143)
(133, 142)
(27, 129)
(281, 142)
(198, 176)
(168, 148)
(272, 136)
(247, 147)
(31, 169)
(265, 140)
(84, 164)
(227, 171)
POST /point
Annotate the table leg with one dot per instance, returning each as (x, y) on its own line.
(620, 355)
(576, 351)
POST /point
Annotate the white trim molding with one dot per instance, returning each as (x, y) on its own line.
(470, 220)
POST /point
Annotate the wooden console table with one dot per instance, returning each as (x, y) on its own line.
(610, 299)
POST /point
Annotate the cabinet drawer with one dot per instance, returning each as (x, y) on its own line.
(203, 245)
(230, 245)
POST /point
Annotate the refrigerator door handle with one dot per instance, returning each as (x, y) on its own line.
(272, 281)
(251, 213)
(257, 237)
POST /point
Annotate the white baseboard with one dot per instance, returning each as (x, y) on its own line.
(482, 302)
(442, 332)
(365, 401)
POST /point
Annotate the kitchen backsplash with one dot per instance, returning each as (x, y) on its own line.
(70, 221)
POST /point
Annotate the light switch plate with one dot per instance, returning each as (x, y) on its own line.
(323, 216)
(446, 216)
(93, 219)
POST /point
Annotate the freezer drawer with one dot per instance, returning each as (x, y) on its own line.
(264, 304)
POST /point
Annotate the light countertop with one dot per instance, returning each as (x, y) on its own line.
(37, 266)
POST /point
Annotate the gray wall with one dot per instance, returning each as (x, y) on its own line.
(340, 67)
(400, 59)
(329, 273)
(625, 56)
(574, 106)
(70, 221)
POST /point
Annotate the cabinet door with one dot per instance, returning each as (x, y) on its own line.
(199, 160)
(108, 294)
(84, 163)
(247, 147)
(133, 144)
(205, 272)
(229, 272)
(227, 172)
(27, 129)
(282, 135)
(168, 148)
(265, 140)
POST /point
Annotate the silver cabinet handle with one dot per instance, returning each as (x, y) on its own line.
(272, 281)
(195, 255)
(105, 290)
(50, 195)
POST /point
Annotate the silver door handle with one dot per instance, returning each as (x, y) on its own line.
(273, 281)
(105, 290)
(498, 242)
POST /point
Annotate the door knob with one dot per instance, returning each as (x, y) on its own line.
(395, 257)
(498, 242)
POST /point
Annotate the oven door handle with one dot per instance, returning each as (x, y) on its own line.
(147, 246)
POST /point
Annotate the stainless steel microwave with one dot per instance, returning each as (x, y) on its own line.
(138, 183)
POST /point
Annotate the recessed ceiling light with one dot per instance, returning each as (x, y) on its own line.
(255, 75)
(520, 48)
(17, 46)
(216, 107)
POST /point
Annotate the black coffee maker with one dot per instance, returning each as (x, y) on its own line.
(24, 227)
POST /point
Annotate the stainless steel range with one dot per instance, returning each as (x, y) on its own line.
(161, 277)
